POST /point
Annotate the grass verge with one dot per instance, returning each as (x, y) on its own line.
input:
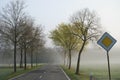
(99, 73)
(73, 76)
(7, 73)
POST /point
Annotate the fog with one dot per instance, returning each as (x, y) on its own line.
(97, 58)
(45, 55)
(94, 56)
(90, 57)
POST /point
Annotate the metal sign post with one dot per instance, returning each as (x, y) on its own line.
(108, 66)
(107, 42)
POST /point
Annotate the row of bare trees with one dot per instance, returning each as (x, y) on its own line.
(84, 27)
(19, 30)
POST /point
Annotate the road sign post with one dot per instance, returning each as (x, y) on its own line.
(107, 42)
(108, 66)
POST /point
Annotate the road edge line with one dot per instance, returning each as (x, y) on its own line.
(65, 73)
(20, 75)
(17, 76)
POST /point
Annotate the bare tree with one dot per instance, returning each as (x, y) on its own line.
(36, 42)
(86, 27)
(39, 41)
(30, 39)
(12, 18)
(26, 38)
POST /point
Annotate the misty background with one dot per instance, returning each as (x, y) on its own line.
(90, 57)
(51, 13)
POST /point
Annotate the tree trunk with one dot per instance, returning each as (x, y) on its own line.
(31, 58)
(69, 59)
(15, 50)
(64, 57)
(36, 59)
(21, 58)
(25, 57)
(79, 55)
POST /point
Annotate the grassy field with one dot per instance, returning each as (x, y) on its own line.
(72, 75)
(99, 73)
(4, 72)
(7, 72)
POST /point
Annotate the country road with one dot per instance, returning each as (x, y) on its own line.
(47, 72)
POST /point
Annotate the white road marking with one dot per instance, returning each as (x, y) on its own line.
(65, 74)
(40, 77)
(44, 72)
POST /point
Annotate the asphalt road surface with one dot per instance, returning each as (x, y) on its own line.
(47, 72)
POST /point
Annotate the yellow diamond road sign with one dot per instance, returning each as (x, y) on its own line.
(106, 41)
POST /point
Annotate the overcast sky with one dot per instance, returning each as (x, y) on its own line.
(50, 13)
